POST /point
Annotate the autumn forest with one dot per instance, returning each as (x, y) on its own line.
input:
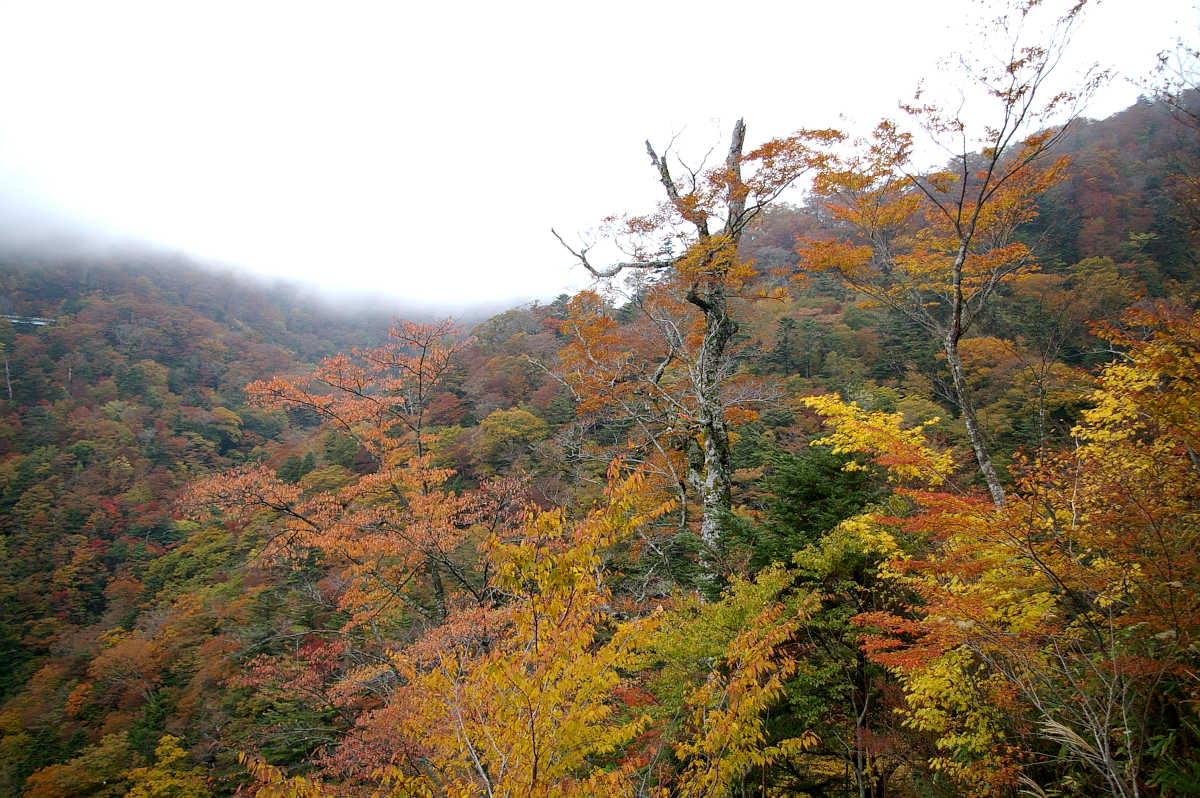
(852, 473)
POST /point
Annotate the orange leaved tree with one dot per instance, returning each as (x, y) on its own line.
(386, 550)
(397, 532)
(936, 247)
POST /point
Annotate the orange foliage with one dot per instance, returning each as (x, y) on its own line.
(1074, 606)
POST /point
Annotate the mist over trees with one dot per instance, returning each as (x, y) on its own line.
(894, 491)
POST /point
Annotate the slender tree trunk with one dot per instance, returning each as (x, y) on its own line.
(954, 332)
(8, 378)
(716, 489)
(967, 408)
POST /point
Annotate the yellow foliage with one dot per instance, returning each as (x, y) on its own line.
(903, 452)
(728, 732)
(952, 699)
(271, 782)
(1073, 605)
(529, 713)
(168, 777)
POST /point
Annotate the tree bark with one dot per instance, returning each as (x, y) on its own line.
(707, 436)
(439, 589)
(954, 332)
(715, 487)
(967, 407)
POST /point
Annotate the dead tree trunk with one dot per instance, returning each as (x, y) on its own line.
(714, 207)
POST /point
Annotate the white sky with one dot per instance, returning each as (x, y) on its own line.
(426, 149)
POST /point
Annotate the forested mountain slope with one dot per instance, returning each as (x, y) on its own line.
(254, 546)
(135, 389)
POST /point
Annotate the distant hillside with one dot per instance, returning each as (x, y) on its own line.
(135, 390)
(1123, 198)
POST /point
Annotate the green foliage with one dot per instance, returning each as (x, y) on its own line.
(145, 731)
(695, 632)
(132, 381)
(804, 494)
(339, 448)
(99, 772)
(1171, 773)
(699, 658)
(206, 557)
(294, 467)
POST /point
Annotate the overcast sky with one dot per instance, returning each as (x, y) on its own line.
(426, 149)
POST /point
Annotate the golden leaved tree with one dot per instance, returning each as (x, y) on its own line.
(1070, 615)
(539, 694)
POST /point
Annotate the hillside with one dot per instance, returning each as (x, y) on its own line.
(255, 544)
